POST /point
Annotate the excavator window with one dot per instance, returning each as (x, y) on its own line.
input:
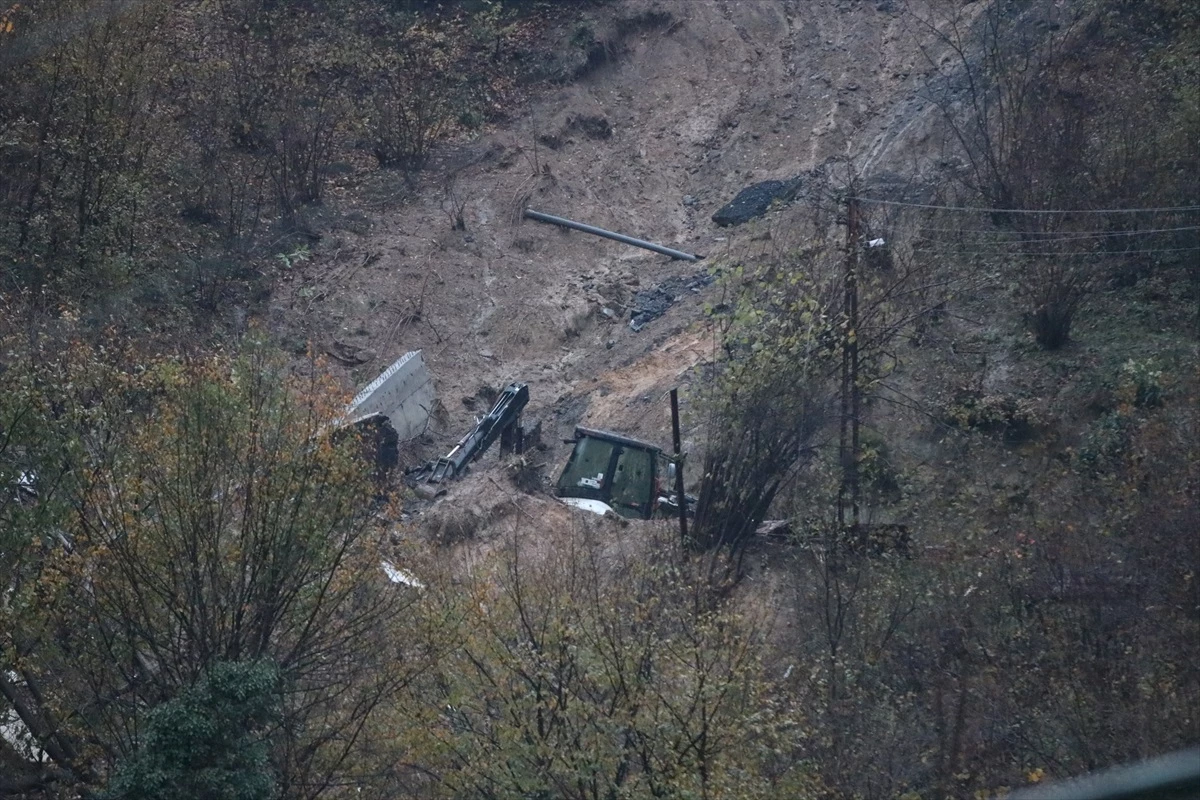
(613, 469)
(586, 474)
(633, 482)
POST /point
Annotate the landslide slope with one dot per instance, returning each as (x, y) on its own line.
(692, 101)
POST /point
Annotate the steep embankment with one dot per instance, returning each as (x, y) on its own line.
(694, 101)
(1047, 618)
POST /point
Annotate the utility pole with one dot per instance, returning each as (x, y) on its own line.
(678, 442)
(848, 438)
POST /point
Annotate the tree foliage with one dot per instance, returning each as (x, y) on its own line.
(145, 146)
(206, 743)
(1040, 115)
(591, 668)
(212, 519)
(772, 395)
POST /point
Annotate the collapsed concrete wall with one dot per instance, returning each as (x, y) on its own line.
(403, 393)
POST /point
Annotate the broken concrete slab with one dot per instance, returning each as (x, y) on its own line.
(403, 393)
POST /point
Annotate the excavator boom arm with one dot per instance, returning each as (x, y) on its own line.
(505, 415)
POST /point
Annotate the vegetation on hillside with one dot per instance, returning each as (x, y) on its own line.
(157, 155)
(984, 435)
(996, 554)
(164, 520)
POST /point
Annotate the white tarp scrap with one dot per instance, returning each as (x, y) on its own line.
(402, 576)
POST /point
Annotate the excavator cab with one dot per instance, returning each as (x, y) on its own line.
(610, 472)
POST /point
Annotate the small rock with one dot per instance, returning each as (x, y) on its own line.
(688, 200)
(350, 354)
(608, 312)
(610, 344)
(487, 354)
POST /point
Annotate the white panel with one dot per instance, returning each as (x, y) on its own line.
(403, 393)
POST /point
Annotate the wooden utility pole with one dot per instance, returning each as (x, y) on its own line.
(848, 439)
(678, 442)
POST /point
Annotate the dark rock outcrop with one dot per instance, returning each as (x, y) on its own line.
(754, 201)
(650, 304)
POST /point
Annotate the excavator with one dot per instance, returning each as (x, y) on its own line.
(502, 422)
(611, 473)
(606, 472)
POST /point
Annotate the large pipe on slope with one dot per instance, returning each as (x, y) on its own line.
(616, 237)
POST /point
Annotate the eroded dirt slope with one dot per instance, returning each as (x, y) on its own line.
(699, 99)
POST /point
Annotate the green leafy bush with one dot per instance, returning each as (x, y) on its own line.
(1015, 419)
(1140, 383)
(877, 468)
(207, 742)
(1104, 445)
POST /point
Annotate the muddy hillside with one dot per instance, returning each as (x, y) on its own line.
(692, 103)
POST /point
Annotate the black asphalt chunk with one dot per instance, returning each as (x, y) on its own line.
(650, 304)
(754, 201)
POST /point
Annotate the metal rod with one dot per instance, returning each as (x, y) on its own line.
(680, 497)
(616, 237)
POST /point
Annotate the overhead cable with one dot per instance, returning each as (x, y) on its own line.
(1002, 252)
(983, 210)
(1063, 236)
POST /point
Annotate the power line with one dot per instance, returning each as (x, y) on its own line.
(1002, 252)
(1001, 245)
(1061, 236)
(982, 210)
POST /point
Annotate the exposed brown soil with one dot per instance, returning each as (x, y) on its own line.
(705, 98)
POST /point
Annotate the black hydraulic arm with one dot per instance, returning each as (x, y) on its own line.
(505, 415)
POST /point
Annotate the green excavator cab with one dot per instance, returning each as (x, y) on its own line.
(607, 471)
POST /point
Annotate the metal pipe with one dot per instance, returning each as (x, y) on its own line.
(616, 237)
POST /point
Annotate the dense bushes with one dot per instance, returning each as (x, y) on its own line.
(1040, 112)
(195, 606)
(184, 516)
(135, 139)
(1049, 609)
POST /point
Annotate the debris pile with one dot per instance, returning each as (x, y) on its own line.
(650, 304)
(755, 200)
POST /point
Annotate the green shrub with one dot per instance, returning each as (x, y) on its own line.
(1104, 445)
(1140, 383)
(206, 742)
(876, 468)
(1013, 418)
